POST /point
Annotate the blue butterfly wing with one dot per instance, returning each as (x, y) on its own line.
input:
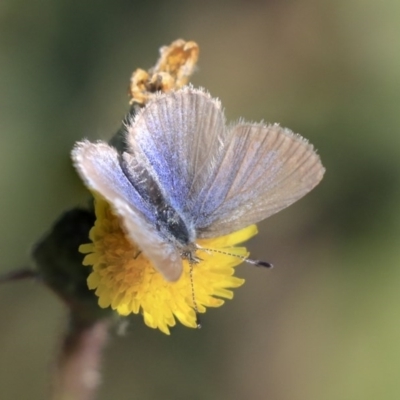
(99, 165)
(264, 169)
(221, 179)
(179, 137)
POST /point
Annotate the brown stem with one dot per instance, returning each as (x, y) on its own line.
(17, 275)
(77, 374)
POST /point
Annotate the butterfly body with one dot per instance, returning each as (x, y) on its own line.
(186, 175)
(172, 227)
(168, 222)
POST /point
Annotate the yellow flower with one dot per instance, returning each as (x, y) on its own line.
(126, 280)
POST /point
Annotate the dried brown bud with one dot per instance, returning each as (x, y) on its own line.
(172, 71)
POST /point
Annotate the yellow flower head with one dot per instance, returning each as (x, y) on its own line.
(125, 279)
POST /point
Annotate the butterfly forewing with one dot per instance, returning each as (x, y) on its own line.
(179, 137)
(99, 166)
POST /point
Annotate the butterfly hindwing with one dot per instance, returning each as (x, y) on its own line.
(265, 168)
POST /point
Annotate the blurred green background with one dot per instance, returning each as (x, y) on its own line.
(325, 323)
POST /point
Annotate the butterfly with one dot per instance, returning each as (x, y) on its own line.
(185, 174)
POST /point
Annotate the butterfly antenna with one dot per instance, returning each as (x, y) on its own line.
(196, 310)
(257, 263)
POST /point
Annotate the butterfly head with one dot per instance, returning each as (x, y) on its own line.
(189, 253)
